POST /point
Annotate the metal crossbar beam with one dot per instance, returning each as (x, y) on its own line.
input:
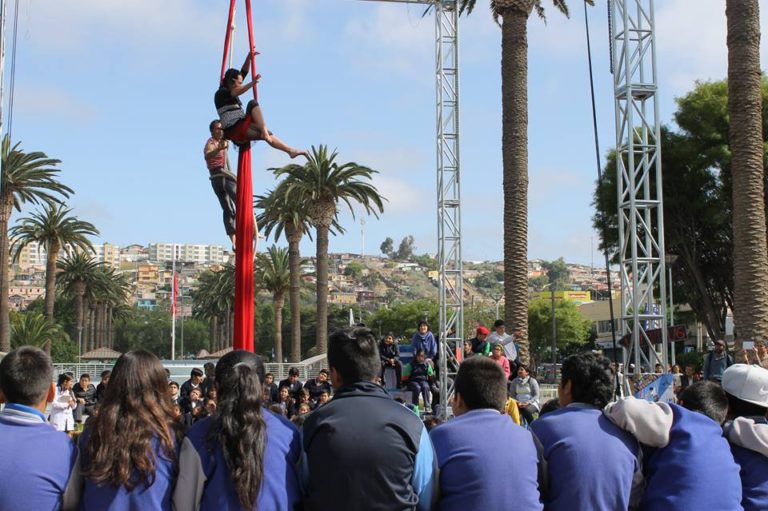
(641, 205)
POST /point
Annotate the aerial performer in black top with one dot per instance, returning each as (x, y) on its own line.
(244, 126)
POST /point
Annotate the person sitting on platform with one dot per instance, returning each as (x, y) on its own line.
(417, 376)
(390, 357)
(245, 126)
(85, 395)
(479, 344)
(424, 339)
(497, 354)
(317, 385)
(292, 382)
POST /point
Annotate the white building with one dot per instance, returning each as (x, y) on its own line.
(32, 256)
(187, 253)
(108, 254)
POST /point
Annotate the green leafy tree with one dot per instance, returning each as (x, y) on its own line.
(401, 318)
(425, 260)
(405, 250)
(322, 184)
(25, 178)
(33, 329)
(745, 101)
(538, 283)
(274, 275)
(558, 274)
(354, 270)
(514, 16)
(387, 247)
(54, 229)
(698, 194)
(572, 328)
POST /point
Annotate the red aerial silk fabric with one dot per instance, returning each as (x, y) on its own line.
(244, 282)
(243, 339)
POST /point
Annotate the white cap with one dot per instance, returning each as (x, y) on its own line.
(748, 383)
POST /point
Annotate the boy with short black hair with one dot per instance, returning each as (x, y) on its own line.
(36, 459)
(292, 382)
(592, 463)
(85, 395)
(102, 386)
(466, 458)
(746, 387)
(194, 382)
(391, 469)
(685, 454)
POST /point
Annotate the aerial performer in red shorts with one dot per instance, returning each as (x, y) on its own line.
(245, 126)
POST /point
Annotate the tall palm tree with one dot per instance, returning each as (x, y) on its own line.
(514, 16)
(25, 178)
(281, 215)
(750, 257)
(77, 270)
(214, 300)
(34, 329)
(275, 276)
(52, 228)
(321, 184)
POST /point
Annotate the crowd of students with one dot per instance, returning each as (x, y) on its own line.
(362, 450)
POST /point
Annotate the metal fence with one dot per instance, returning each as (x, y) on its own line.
(180, 369)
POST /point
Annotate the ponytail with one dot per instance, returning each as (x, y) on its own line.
(238, 427)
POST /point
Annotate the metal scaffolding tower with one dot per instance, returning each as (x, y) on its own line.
(638, 165)
(451, 283)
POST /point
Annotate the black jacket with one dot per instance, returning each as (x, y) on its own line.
(362, 448)
(88, 394)
(293, 388)
(316, 388)
(387, 351)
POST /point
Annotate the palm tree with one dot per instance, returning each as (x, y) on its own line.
(514, 16)
(321, 184)
(275, 276)
(750, 258)
(77, 271)
(25, 178)
(53, 228)
(34, 329)
(214, 300)
(279, 214)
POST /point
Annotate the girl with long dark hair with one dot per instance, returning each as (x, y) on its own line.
(224, 457)
(128, 451)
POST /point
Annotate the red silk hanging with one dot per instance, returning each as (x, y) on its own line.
(244, 281)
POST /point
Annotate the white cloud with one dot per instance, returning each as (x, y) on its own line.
(52, 103)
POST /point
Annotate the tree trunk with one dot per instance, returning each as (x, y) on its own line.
(50, 280)
(294, 262)
(279, 303)
(6, 206)
(750, 256)
(321, 338)
(79, 291)
(514, 98)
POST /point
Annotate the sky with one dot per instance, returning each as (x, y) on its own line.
(121, 91)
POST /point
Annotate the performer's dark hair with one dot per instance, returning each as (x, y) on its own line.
(229, 76)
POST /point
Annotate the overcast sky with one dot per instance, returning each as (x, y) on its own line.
(121, 91)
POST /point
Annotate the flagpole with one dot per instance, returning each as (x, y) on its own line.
(173, 305)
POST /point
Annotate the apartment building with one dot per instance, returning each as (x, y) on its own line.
(108, 254)
(187, 253)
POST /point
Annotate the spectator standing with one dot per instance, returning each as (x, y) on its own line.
(424, 339)
(757, 356)
(687, 379)
(292, 382)
(128, 450)
(209, 383)
(525, 390)
(102, 386)
(747, 390)
(214, 473)
(317, 385)
(194, 381)
(390, 357)
(468, 353)
(716, 362)
(591, 462)
(417, 375)
(36, 459)
(85, 395)
(63, 403)
(479, 344)
(466, 458)
(271, 387)
(391, 469)
(686, 455)
(497, 354)
(500, 336)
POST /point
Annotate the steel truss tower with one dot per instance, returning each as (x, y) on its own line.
(638, 166)
(451, 283)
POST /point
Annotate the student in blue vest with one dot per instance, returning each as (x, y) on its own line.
(471, 463)
(747, 389)
(128, 451)
(214, 473)
(592, 464)
(685, 454)
(35, 459)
